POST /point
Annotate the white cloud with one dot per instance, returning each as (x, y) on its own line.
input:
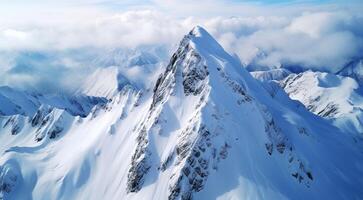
(14, 34)
(128, 29)
(318, 24)
(315, 40)
(313, 37)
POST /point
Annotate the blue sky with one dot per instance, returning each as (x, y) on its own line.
(131, 4)
(206, 8)
(182, 8)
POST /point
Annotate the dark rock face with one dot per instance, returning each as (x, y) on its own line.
(192, 67)
(55, 132)
(139, 163)
(269, 148)
(165, 83)
(193, 74)
(40, 116)
(166, 163)
(195, 158)
(15, 130)
(195, 164)
(187, 63)
(290, 80)
(140, 160)
(16, 123)
(303, 175)
(41, 133)
(51, 125)
(8, 180)
(278, 141)
(329, 111)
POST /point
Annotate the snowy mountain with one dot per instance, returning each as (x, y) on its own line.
(203, 128)
(353, 69)
(15, 102)
(117, 78)
(331, 96)
(273, 74)
(131, 57)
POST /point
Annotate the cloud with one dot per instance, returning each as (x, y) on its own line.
(58, 51)
(47, 56)
(319, 40)
(128, 29)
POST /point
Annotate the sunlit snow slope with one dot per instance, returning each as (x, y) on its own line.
(202, 129)
(331, 96)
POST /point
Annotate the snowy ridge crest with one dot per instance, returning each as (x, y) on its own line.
(206, 129)
(187, 70)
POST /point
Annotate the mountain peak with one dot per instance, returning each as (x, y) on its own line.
(203, 41)
(211, 55)
(199, 31)
(206, 121)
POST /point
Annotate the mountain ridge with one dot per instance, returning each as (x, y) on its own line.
(205, 119)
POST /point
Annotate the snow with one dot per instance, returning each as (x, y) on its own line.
(117, 77)
(203, 128)
(273, 74)
(19, 102)
(96, 85)
(332, 96)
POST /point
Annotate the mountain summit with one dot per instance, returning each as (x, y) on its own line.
(205, 130)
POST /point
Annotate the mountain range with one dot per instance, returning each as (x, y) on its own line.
(199, 126)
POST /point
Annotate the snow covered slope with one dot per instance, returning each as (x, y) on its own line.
(120, 67)
(18, 102)
(331, 96)
(108, 81)
(205, 130)
(104, 82)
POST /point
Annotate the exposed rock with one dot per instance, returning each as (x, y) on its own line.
(194, 160)
(8, 180)
(40, 115)
(55, 132)
(139, 163)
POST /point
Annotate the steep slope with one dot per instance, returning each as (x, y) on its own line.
(108, 81)
(104, 82)
(206, 130)
(331, 96)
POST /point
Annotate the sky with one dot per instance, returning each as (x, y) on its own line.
(47, 43)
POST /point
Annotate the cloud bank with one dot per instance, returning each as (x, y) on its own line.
(50, 53)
